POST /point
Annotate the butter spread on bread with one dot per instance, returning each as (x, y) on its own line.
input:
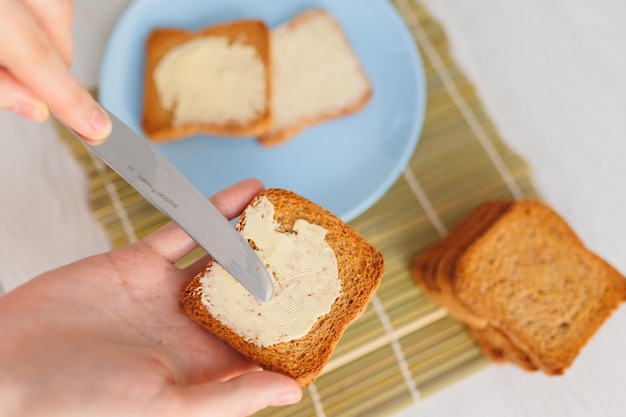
(316, 75)
(211, 79)
(359, 269)
(303, 267)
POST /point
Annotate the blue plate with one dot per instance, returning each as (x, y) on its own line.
(345, 164)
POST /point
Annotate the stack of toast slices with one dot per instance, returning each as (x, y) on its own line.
(523, 282)
(312, 74)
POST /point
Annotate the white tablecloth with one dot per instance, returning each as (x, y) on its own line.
(551, 75)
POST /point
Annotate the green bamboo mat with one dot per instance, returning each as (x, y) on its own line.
(404, 347)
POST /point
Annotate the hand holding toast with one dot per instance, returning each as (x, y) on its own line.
(106, 336)
(35, 54)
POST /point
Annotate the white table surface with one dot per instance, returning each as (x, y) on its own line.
(551, 73)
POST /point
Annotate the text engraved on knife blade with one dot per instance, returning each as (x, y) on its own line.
(153, 189)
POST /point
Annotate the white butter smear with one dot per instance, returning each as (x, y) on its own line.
(210, 80)
(306, 281)
(313, 60)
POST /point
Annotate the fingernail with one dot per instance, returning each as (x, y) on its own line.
(36, 111)
(101, 124)
(287, 397)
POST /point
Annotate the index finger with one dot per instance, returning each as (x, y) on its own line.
(29, 55)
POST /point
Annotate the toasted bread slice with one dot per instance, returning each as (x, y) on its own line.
(316, 75)
(533, 279)
(214, 81)
(263, 332)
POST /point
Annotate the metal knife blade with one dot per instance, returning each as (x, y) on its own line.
(135, 160)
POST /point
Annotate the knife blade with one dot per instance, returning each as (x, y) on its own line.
(143, 167)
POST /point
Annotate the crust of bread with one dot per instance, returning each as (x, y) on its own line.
(276, 137)
(360, 265)
(157, 121)
(499, 348)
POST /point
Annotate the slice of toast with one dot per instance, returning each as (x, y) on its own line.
(214, 81)
(533, 279)
(316, 75)
(359, 268)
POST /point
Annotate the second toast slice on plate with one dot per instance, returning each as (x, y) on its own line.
(316, 75)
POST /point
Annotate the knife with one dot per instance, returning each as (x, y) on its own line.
(135, 160)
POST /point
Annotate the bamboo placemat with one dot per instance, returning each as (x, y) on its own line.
(403, 347)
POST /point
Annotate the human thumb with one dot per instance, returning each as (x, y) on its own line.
(243, 395)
